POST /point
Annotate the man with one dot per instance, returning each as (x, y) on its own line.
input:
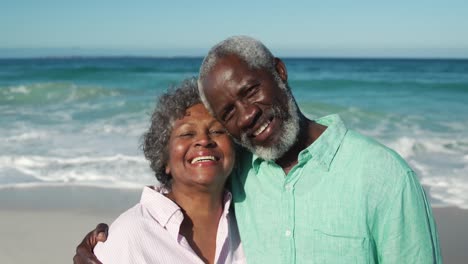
(313, 191)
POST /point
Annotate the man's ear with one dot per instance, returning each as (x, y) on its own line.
(281, 69)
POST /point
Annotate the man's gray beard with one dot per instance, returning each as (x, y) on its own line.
(288, 133)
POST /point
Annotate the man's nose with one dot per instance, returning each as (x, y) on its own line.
(248, 114)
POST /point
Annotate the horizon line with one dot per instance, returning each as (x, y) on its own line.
(350, 57)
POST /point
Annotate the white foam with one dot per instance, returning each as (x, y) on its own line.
(116, 185)
(449, 191)
(443, 170)
(404, 146)
(25, 136)
(20, 89)
(105, 170)
(456, 126)
(125, 124)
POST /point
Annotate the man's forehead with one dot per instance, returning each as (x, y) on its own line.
(229, 68)
(222, 72)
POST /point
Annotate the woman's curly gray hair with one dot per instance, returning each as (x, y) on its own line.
(170, 107)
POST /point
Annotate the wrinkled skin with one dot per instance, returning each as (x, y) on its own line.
(84, 251)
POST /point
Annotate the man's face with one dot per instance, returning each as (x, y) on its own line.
(254, 106)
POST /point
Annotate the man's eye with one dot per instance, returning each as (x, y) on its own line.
(228, 114)
(252, 90)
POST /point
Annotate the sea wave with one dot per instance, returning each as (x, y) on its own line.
(376, 85)
(65, 120)
(440, 164)
(99, 171)
(447, 191)
(52, 93)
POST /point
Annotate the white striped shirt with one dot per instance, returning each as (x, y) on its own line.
(149, 233)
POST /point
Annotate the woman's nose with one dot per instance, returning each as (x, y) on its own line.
(204, 140)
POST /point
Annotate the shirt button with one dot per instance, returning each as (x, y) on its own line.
(288, 187)
(287, 233)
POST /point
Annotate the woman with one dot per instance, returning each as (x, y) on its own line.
(187, 218)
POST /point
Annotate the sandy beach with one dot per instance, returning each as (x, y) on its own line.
(44, 224)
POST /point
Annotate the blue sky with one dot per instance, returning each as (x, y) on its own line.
(289, 28)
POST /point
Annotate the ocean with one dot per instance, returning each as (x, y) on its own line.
(79, 121)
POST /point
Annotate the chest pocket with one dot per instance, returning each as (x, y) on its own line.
(330, 248)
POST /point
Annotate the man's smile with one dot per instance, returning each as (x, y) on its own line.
(261, 128)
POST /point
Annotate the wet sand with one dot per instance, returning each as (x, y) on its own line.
(452, 225)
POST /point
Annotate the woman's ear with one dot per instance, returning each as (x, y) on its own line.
(167, 170)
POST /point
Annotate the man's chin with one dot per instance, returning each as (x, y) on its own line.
(273, 149)
(266, 152)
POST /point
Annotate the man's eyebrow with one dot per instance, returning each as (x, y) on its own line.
(246, 85)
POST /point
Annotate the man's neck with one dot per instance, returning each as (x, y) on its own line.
(309, 132)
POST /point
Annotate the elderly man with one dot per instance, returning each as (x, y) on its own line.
(312, 191)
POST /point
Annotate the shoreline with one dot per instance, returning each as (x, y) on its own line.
(49, 222)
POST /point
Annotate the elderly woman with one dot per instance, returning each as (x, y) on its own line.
(187, 219)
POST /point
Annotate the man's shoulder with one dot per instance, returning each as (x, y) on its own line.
(377, 163)
(373, 150)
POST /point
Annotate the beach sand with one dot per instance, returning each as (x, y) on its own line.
(452, 225)
(44, 224)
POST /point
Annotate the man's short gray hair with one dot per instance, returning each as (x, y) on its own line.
(248, 49)
(171, 106)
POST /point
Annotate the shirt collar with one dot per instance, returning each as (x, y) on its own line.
(323, 150)
(161, 208)
(164, 210)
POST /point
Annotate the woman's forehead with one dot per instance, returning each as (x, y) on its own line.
(195, 115)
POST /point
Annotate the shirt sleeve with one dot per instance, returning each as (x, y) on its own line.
(122, 245)
(405, 231)
(116, 249)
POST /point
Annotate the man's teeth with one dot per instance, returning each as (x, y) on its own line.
(203, 158)
(261, 129)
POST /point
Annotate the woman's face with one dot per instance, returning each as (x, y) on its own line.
(200, 151)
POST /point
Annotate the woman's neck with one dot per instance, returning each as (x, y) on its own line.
(202, 211)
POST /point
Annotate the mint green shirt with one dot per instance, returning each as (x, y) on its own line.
(348, 200)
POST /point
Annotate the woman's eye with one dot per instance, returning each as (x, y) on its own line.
(186, 134)
(218, 131)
